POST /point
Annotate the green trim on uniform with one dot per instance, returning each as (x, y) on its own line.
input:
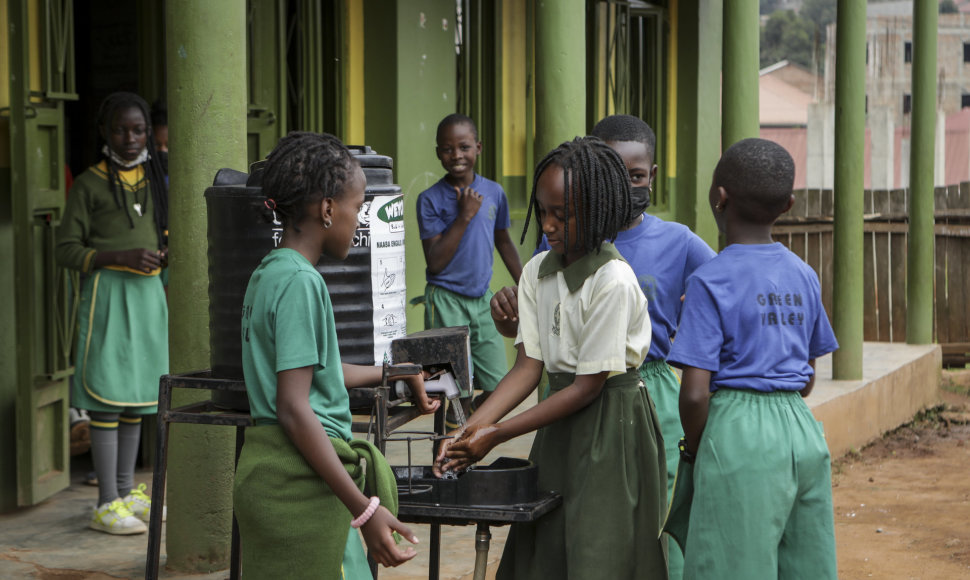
(122, 347)
(664, 388)
(443, 308)
(762, 505)
(607, 463)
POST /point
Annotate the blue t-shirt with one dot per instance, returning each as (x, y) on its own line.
(470, 270)
(287, 323)
(753, 316)
(662, 254)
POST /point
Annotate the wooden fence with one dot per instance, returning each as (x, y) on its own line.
(807, 231)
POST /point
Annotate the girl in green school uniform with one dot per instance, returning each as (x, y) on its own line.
(114, 232)
(297, 493)
(582, 317)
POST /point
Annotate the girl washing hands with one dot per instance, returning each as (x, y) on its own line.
(582, 317)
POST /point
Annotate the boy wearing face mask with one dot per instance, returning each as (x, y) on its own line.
(662, 255)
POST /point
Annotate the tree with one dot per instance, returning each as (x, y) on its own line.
(767, 6)
(789, 36)
(946, 7)
(820, 12)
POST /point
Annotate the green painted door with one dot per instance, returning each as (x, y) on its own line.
(266, 64)
(43, 292)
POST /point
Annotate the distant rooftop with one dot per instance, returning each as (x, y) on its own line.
(896, 8)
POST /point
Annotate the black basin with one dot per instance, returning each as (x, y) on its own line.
(506, 482)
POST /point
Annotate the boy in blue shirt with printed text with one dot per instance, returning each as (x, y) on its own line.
(751, 328)
(463, 219)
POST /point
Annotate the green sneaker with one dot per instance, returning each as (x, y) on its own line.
(141, 504)
(115, 518)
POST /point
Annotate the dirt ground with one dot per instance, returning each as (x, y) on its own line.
(902, 504)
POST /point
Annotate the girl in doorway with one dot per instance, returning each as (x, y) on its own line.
(582, 317)
(114, 232)
(298, 485)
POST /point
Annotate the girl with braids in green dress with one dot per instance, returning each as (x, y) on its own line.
(582, 318)
(114, 232)
(298, 487)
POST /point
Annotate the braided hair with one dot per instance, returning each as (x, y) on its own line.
(111, 106)
(595, 173)
(305, 167)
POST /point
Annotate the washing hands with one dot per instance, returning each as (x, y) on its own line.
(466, 447)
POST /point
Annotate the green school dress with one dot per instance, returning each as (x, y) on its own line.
(606, 460)
(290, 522)
(122, 346)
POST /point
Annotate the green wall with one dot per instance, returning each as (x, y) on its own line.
(409, 80)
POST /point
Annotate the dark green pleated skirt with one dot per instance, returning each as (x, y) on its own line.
(607, 461)
(291, 524)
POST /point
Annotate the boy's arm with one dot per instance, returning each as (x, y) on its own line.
(807, 389)
(440, 249)
(506, 249)
(695, 391)
(505, 311)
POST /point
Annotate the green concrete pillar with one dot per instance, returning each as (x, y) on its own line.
(560, 62)
(850, 127)
(206, 56)
(742, 26)
(919, 267)
(698, 27)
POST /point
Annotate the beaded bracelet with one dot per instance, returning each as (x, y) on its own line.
(366, 515)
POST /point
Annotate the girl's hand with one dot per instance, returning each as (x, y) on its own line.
(140, 259)
(441, 459)
(378, 535)
(471, 447)
(420, 397)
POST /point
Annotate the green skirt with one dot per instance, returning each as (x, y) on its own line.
(291, 524)
(607, 461)
(122, 347)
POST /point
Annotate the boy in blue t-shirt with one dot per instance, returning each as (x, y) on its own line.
(751, 328)
(463, 219)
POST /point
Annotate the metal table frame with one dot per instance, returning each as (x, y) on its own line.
(482, 516)
(386, 416)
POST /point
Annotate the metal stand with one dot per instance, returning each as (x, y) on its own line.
(203, 413)
(482, 516)
(386, 416)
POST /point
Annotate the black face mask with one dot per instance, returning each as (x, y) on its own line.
(639, 201)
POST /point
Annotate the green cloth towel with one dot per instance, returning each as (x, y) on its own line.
(378, 478)
(678, 516)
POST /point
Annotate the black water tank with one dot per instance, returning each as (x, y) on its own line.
(367, 288)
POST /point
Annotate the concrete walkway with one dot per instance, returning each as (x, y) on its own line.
(52, 540)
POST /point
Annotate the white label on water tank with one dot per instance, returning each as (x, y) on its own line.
(386, 219)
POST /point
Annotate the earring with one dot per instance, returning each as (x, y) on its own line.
(327, 224)
(718, 207)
